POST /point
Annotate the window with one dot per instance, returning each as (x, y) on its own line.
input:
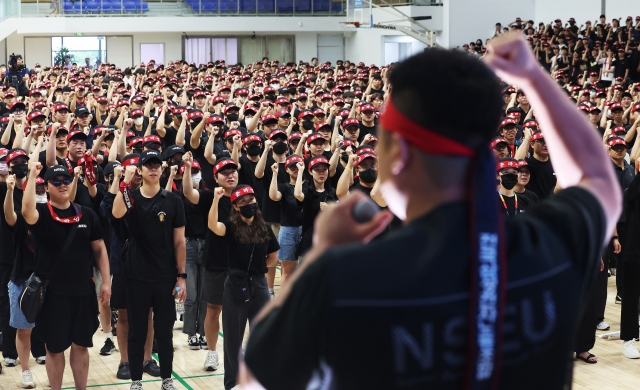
(204, 50)
(80, 48)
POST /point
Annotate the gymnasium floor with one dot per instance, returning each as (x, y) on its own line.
(613, 371)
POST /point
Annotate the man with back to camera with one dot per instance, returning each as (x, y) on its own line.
(424, 336)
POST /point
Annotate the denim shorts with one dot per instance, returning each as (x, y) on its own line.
(17, 319)
(288, 239)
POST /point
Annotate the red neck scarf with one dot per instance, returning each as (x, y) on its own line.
(71, 220)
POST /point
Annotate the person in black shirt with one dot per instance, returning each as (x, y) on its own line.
(331, 313)
(509, 202)
(216, 264)
(543, 178)
(366, 165)
(154, 264)
(252, 247)
(290, 230)
(69, 315)
(523, 179)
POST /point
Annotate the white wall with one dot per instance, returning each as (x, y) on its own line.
(622, 8)
(172, 45)
(3, 51)
(306, 46)
(37, 50)
(464, 21)
(582, 10)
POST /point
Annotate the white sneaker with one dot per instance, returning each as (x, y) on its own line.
(10, 362)
(211, 364)
(629, 350)
(136, 385)
(167, 384)
(603, 326)
(27, 380)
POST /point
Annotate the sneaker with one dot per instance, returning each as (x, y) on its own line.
(10, 362)
(27, 380)
(629, 350)
(194, 343)
(203, 342)
(618, 299)
(151, 367)
(612, 271)
(167, 384)
(136, 385)
(124, 371)
(211, 364)
(107, 348)
(41, 360)
(603, 326)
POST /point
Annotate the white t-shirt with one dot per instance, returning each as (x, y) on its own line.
(607, 66)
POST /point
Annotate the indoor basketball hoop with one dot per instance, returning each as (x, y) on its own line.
(358, 13)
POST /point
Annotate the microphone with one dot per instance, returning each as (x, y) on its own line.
(365, 210)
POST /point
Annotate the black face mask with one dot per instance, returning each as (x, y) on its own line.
(280, 147)
(168, 119)
(509, 180)
(20, 170)
(331, 85)
(253, 150)
(270, 97)
(307, 125)
(368, 176)
(249, 210)
(176, 163)
(233, 117)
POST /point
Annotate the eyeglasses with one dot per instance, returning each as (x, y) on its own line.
(58, 183)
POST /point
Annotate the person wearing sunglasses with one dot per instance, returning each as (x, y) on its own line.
(69, 312)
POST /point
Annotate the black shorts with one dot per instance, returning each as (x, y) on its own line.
(67, 319)
(118, 297)
(213, 286)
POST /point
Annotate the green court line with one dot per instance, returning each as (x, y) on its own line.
(175, 375)
(148, 381)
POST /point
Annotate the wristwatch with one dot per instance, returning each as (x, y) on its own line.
(183, 276)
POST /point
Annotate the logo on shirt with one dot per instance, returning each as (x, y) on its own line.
(161, 216)
(82, 226)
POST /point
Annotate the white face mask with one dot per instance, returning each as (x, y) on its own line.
(138, 121)
(41, 198)
(196, 178)
(3, 168)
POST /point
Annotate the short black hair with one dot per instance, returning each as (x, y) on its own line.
(434, 102)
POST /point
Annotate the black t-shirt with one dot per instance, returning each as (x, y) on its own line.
(510, 201)
(215, 247)
(241, 254)
(6, 237)
(290, 208)
(543, 179)
(631, 252)
(270, 209)
(151, 256)
(621, 66)
(25, 259)
(364, 130)
(332, 314)
(76, 268)
(247, 175)
(531, 196)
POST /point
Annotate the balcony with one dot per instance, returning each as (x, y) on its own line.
(88, 8)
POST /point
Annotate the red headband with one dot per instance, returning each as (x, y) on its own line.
(241, 192)
(422, 138)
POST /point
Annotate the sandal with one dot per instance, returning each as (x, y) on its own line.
(587, 359)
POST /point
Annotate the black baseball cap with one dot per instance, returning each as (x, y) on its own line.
(148, 156)
(108, 170)
(173, 149)
(57, 170)
(82, 111)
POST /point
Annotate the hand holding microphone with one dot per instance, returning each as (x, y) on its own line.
(356, 219)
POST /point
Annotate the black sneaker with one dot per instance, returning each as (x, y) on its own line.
(107, 348)
(203, 342)
(124, 371)
(618, 299)
(194, 343)
(151, 368)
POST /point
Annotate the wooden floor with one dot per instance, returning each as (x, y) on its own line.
(613, 371)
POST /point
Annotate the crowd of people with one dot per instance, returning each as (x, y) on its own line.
(151, 184)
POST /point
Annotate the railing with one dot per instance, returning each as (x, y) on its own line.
(183, 7)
